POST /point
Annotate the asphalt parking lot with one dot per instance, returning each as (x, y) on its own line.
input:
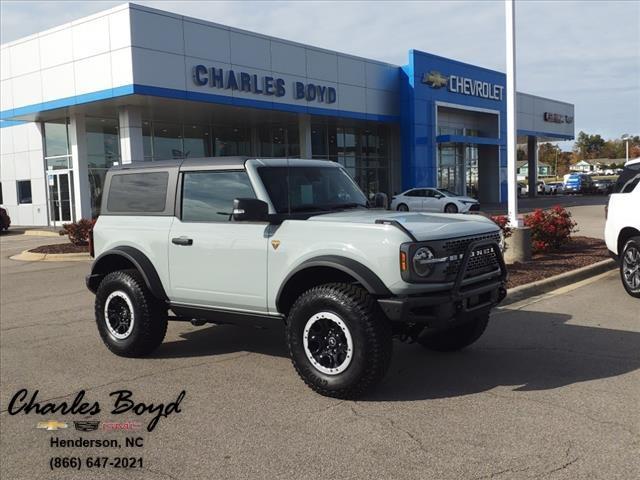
(551, 391)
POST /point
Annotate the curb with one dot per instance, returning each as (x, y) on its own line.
(27, 256)
(41, 233)
(552, 283)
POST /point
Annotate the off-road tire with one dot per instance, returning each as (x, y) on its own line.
(631, 245)
(450, 208)
(149, 313)
(403, 207)
(369, 329)
(455, 338)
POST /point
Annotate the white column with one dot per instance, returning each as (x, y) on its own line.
(79, 162)
(304, 129)
(130, 126)
(512, 182)
(532, 165)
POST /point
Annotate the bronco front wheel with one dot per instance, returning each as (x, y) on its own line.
(339, 340)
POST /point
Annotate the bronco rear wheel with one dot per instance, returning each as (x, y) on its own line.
(131, 321)
(455, 338)
(339, 340)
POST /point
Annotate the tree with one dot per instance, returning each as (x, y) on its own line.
(548, 153)
(589, 146)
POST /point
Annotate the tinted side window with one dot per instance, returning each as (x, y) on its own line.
(138, 192)
(628, 179)
(208, 196)
(415, 193)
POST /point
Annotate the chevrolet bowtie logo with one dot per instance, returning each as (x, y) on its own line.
(52, 425)
(435, 79)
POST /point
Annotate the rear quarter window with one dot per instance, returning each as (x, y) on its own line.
(628, 179)
(138, 192)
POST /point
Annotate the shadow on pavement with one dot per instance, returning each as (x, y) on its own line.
(526, 350)
(222, 339)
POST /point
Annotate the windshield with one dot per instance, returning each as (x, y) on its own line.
(448, 193)
(309, 189)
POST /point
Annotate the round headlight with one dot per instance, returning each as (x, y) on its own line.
(421, 264)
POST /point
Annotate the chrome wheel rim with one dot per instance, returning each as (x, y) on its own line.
(631, 268)
(327, 343)
(118, 315)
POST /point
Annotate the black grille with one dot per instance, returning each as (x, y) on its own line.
(483, 259)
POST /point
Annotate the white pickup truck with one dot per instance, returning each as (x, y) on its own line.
(268, 241)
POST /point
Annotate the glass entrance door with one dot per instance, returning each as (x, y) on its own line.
(60, 196)
(458, 168)
(451, 167)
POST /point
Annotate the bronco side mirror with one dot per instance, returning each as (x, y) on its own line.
(250, 210)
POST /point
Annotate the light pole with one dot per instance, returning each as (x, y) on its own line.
(626, 138)
(512, 183)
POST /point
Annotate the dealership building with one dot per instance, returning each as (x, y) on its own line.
(135, 84)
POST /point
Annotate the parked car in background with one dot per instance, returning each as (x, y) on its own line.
(604, 186)
(523, 189)
(5, 220)
(578, 183)
(433, 200)
(553, 188)
(622, 230)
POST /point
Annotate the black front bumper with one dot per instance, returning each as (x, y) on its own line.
(439, 308)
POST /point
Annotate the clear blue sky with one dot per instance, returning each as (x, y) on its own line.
(586, 53)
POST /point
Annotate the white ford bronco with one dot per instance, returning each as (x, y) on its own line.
(268, 241)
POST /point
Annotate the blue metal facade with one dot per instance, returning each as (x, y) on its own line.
(418, 115)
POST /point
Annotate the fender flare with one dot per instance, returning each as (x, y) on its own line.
(140, 261)
(363, 274)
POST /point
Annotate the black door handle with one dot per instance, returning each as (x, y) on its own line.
(182, 241)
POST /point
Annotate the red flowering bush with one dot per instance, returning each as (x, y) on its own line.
(550, 229)
(503, 222)
(78, 232)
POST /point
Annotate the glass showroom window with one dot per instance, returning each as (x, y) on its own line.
(163, 141)
(361, 150)
(103, 151)
(196, 141)
(23, 188)
(57, 151)
(279, 141)
(230, 141)
(167, 141)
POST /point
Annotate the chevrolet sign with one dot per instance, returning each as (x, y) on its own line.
(464, 85)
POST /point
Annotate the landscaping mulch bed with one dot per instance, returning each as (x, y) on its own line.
(61, 248)
(579, 252)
